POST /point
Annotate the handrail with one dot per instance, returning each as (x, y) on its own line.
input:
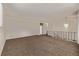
(69, 36)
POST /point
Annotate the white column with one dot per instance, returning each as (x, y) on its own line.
(46, 28)
(41, 30)
(78, 27)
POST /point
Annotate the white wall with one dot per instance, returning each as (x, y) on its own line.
(18, 24)
(57, 24)
(2, 40)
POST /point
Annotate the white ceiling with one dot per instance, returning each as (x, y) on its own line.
(42, 9)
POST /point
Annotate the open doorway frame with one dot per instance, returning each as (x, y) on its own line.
(43, 28)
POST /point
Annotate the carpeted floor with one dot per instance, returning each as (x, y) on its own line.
(40, 46)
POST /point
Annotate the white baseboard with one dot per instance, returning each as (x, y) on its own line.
(13, 37)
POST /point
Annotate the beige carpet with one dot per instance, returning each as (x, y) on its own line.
(40, 46)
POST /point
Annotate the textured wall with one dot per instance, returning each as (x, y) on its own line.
(18, 24)
(2, 40)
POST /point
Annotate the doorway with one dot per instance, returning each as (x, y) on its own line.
(43, 28)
